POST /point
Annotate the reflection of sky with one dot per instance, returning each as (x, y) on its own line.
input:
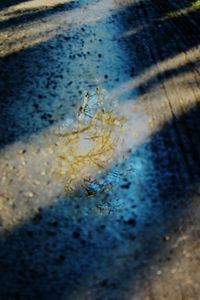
(35, 163)
(121, 201)
(85, 55)
(77, 59)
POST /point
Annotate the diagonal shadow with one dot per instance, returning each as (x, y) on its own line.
(63, 253)
(32, 83)
(176, 34)
(38, 14)
(6, 4)
(70, 251)
(31, 80)
(173, 72)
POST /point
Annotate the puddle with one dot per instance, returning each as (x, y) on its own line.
(84, 154)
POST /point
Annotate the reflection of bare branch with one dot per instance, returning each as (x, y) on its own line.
(65, 135)
(92, 144)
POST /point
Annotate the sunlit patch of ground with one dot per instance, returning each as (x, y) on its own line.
(182, 11)
(77, 152)
(69, 156)
(196, 4)
(32, 32)
(90, 156)
(170, 64)
(33, 4)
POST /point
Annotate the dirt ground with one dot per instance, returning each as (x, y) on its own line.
(99, 150)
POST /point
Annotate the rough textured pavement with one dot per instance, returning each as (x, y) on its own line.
(123, 222)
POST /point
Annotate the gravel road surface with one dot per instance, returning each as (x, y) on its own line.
(99, 150)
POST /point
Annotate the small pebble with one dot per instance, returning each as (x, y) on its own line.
(159, 272)
(28, 194)
(36, 182)
(21, 151)
(166, 238)
(117, 123)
